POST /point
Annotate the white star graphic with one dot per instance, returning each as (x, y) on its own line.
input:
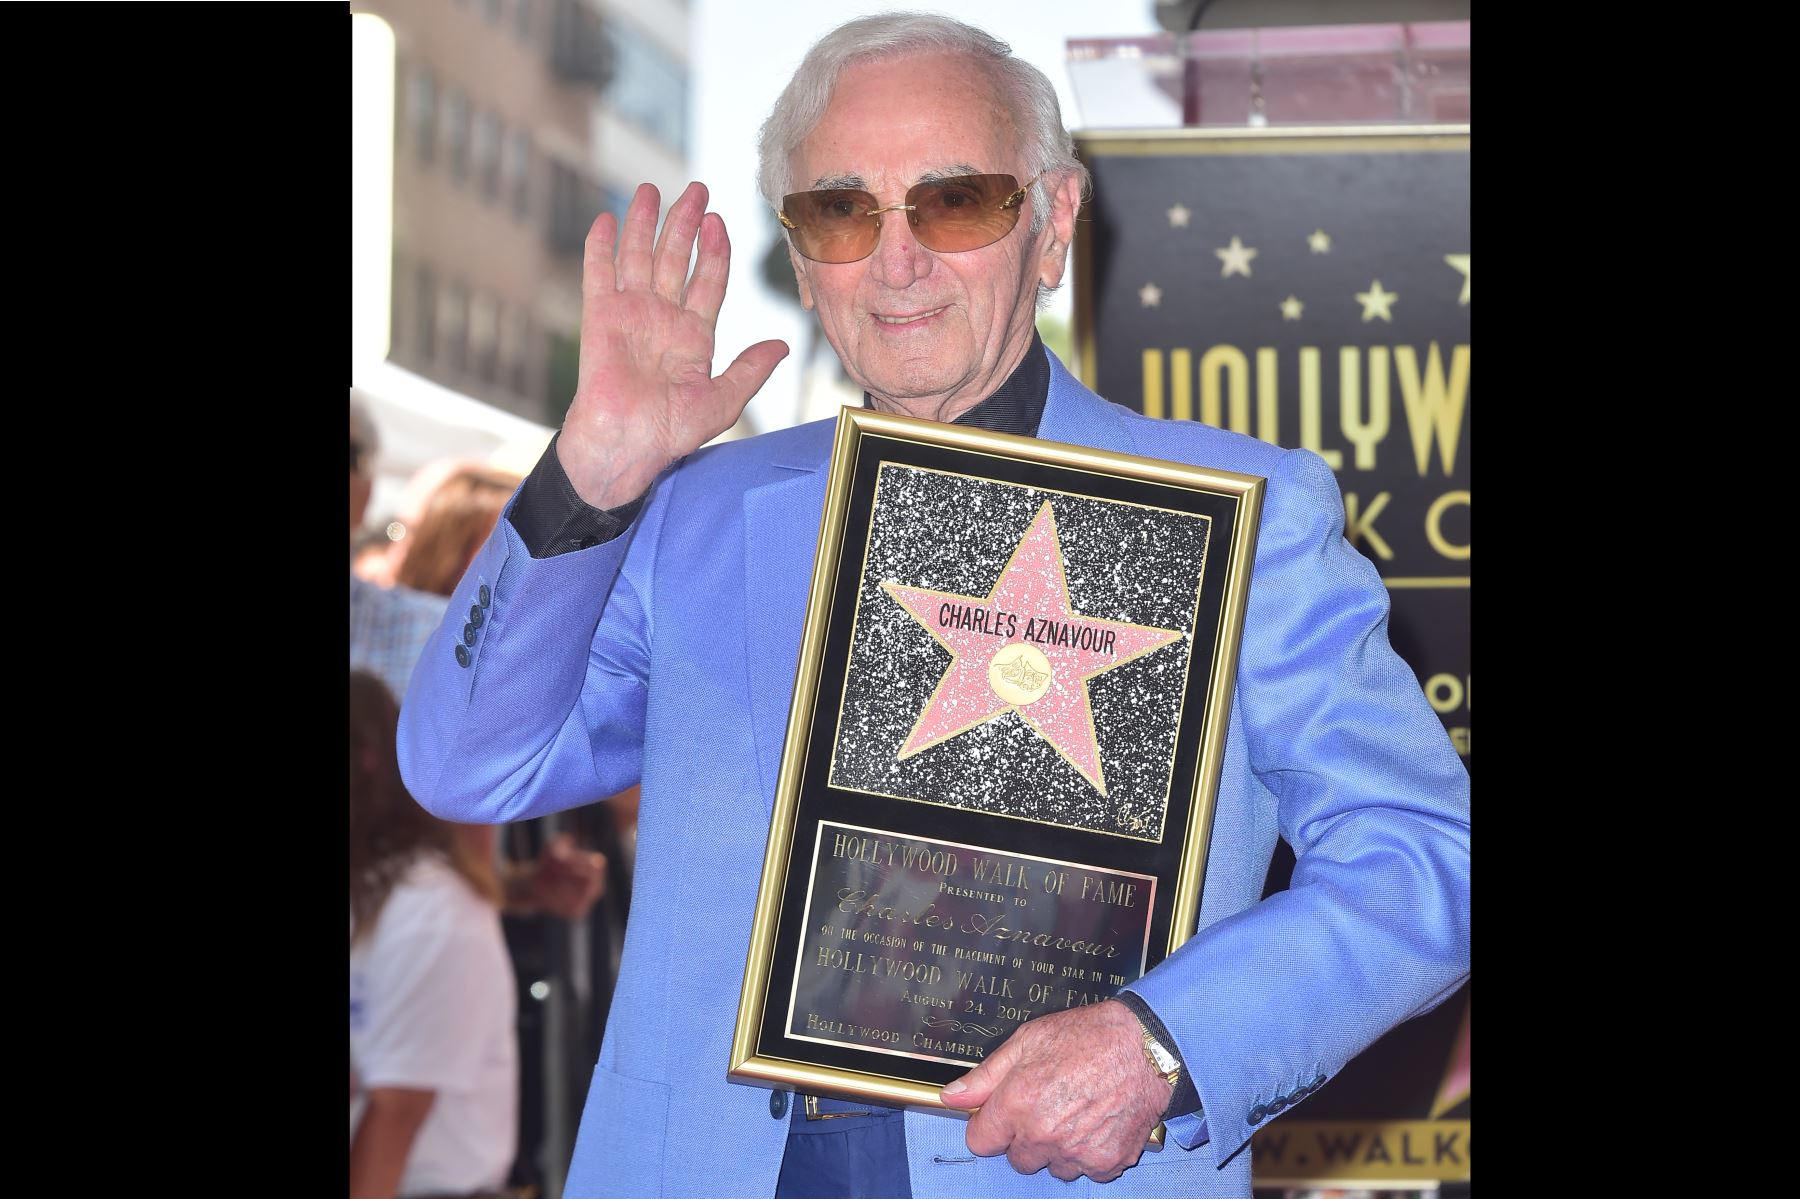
(1376, 302)
(1461, 263)
(1290, 309)
(1178, 217)
(1320, 241)
(1150, 294)
(1236, 258)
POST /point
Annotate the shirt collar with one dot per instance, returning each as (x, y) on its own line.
(1017, 405)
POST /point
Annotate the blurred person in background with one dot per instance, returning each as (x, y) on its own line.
(433, 1057)
(370, 559)
(388, 625)
(449, 509)
(458, 518)
(415, 498)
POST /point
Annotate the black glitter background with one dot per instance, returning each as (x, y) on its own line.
(955, 533)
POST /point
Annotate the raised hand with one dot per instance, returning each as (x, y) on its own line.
(1071, 1090)
(645, 392)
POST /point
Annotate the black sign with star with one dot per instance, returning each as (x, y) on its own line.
(1311, 288)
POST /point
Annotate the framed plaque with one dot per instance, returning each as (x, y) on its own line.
(1003, 751)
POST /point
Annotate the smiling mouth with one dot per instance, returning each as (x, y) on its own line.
(906, 320)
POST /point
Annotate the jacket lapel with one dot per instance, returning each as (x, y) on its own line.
(781, 528)
(1077, 416)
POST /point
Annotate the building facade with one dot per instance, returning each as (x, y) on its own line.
(517, 122)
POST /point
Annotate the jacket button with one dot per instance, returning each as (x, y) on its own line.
(1316, 1083)
(475, 615)
(468, 634)
(486, 595)
(1257, 1113)
(1278, 1105)
(778, 1102)
(462, 656)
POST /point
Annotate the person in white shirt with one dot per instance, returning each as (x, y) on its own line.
(433, 1055)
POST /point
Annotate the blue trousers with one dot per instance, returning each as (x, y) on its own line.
(851, 1157)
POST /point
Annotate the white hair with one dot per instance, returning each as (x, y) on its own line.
(1027, 94)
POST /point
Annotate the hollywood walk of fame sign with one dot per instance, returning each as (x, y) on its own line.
(1006, 733)
(1316, 294)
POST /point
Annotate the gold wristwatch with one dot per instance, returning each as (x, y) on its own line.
(1160, 1058)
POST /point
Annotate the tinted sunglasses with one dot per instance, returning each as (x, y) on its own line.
(949, 216)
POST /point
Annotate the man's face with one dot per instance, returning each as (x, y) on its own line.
(925, 333)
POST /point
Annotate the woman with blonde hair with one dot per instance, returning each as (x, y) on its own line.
(433, 1057)
(457, 519)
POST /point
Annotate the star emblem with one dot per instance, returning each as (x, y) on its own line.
(1178, 217)
(1236, 258)
(1150, 295)
(1461, 263)
(1023, 648)
(1376, 302)
(1320, 241)
(1290, 309)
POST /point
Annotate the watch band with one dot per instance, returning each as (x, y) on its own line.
(1184, 1100)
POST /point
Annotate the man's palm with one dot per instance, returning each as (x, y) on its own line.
(645, 394)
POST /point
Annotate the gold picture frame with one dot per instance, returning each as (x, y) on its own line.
(1002, 753)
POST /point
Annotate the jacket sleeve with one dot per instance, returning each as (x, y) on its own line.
(548, 712)
(1267, 1004)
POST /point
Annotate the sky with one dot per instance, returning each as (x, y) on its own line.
(743, 55)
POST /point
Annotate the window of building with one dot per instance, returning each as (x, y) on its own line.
(579, 49)
(574, 203)
(522, 19)
(456, 327)
(456, 133)
(518, 172)
(518, 358)
(490, 11)
(508, 347)
(399, 302)
(616, 202)
(425, 310)
(561, 360)
(421, 112)
(484, 337)
(489, 133)
(648, 86)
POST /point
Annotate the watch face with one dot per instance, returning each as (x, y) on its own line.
(1163, 1059)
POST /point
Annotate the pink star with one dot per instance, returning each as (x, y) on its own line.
(1045, 680)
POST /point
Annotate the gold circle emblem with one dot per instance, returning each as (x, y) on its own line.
(1019, 674)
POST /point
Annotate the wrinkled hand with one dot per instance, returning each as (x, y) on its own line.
(565, 881)
(1072, 1091)
(644, 392)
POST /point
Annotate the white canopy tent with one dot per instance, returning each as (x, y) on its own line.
(420, 422)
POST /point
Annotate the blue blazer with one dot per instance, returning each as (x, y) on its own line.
(667, 656)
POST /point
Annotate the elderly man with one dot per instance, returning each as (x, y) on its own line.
(638, 612)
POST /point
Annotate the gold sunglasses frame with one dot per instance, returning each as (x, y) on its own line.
(1012, 200)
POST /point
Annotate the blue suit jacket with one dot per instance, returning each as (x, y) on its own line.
(668, 656)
